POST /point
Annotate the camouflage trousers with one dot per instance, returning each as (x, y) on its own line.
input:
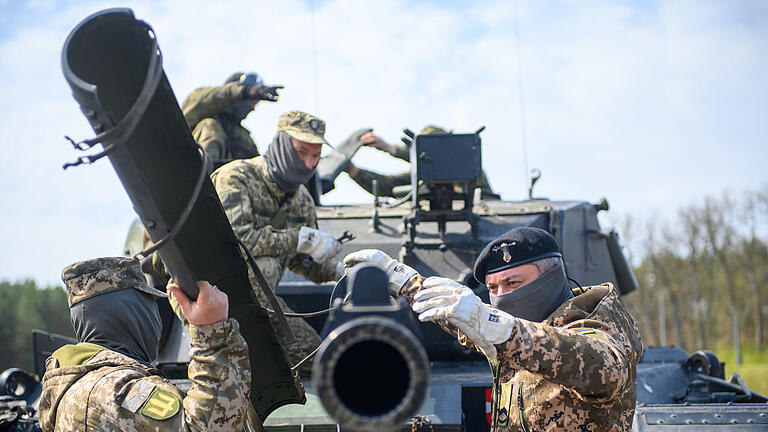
(307, 339)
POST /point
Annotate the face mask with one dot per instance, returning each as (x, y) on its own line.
(126, 321)
(285, 166)
(536, 300)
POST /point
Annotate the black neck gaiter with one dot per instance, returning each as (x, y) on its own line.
(285, 167)
(536, 300)
(126, 321)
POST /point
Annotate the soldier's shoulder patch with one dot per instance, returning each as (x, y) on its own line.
(161, 405)
(592, 333)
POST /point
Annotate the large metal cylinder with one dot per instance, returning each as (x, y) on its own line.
(371, 374)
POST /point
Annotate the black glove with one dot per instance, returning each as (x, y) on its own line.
(262, 92)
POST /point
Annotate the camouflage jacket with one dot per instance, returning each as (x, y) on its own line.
(222, 137)
(267, 219)
(90, 388)
(576, 371)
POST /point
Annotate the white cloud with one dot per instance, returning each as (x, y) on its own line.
(651, 106)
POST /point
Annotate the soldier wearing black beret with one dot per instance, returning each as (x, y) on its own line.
(562, 359)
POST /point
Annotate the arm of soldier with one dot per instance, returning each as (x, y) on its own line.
(328, 271)
(402, 152)
(416, 284)
(589, 360)
(249, 226)
(386, 182)
(209, 134)
(209, 101)
(219, 368)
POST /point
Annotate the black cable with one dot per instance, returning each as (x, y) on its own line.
(282, 323)
(400, 201)
(122, 131)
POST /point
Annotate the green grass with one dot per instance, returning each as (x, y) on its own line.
(754, 367)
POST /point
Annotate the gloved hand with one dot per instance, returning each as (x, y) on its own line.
(321, 246)
(445, 299)
(397, 273)
(262, 92)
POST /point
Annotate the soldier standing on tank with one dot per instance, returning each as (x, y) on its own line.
(562, 359)
(273, 214)
(387, 183)
(215, 114)
(106, 383)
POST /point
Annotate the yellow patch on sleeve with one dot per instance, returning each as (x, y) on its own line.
(161, 405)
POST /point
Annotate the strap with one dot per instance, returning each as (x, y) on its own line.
(282, 328)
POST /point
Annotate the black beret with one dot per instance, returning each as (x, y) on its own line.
(515, 247)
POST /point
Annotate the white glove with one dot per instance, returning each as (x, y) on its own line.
(445, 299)
(397, 273)
(321, 246)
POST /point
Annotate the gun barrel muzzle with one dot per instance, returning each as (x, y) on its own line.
(371, 374)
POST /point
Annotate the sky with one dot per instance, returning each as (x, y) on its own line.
(653, 105)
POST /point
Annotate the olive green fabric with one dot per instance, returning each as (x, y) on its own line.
(221, 135)
(74, 355)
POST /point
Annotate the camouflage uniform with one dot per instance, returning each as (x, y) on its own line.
(267, 219)
(388, 182)
(573, 372)
(89, 387)
(222, 136)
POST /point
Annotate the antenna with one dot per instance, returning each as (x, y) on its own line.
(522, 97)
(314, 56)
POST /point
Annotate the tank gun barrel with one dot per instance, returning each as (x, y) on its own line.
(371, 372)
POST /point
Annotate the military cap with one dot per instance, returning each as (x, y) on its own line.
(302, 126)
(89, 278)
(515, 247)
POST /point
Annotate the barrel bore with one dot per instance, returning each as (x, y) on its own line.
(371, 373)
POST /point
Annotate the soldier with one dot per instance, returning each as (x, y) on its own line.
(272, 213)
(106, 383)
(387, 183)
(215, 114)
(561, 359)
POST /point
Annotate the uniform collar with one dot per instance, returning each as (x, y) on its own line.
(587, 302)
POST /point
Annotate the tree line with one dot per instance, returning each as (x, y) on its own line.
(703, 275)
(27, 306)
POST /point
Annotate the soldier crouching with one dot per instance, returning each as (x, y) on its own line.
(106, 383)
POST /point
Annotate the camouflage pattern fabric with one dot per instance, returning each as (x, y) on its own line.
(89, 278)
(222, 136)
(267, 220)
(302, 126)
(112, 392)
(576, 371)
(364, 178)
